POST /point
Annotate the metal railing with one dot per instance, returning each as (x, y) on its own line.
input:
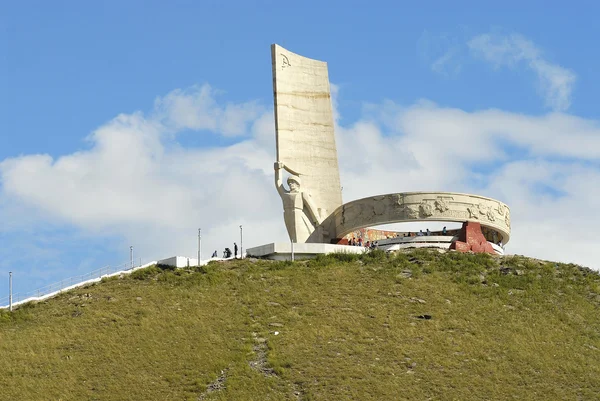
(67, 283)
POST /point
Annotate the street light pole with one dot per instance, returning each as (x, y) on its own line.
(131, 256)
(241, 243)
(10, 291)
(199, 245)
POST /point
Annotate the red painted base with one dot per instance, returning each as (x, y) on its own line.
(470, 238)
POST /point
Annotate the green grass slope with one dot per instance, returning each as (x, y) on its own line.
(418, 325)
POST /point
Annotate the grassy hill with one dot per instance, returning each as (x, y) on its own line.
(417, 325)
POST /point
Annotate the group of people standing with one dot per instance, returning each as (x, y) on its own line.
(355, 242)
(359, 242)
(227, 252)
(426, 233)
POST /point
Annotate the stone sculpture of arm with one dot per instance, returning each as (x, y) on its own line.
(289, 170)
(278, 180)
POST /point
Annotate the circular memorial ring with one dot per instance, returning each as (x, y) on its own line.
(420, 206)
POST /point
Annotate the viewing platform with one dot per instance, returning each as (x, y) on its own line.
(424, 241)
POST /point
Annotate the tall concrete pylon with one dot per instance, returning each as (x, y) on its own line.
(306, 146)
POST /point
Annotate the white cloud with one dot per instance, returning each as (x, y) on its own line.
(555, 82)
(446, 55)
(446, 64)
(196, 109)
(137, 182)
(443, 53)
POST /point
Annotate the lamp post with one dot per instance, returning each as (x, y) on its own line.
(199, 245)
(10, 291)
(131, 256)
(292, 243)
(241, 243)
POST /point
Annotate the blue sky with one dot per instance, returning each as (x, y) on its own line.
(514, 82)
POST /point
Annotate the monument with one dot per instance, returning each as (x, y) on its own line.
(312, 203)
(305, 142)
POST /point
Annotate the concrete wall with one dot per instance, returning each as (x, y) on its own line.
(179, 261)
(283, 250)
